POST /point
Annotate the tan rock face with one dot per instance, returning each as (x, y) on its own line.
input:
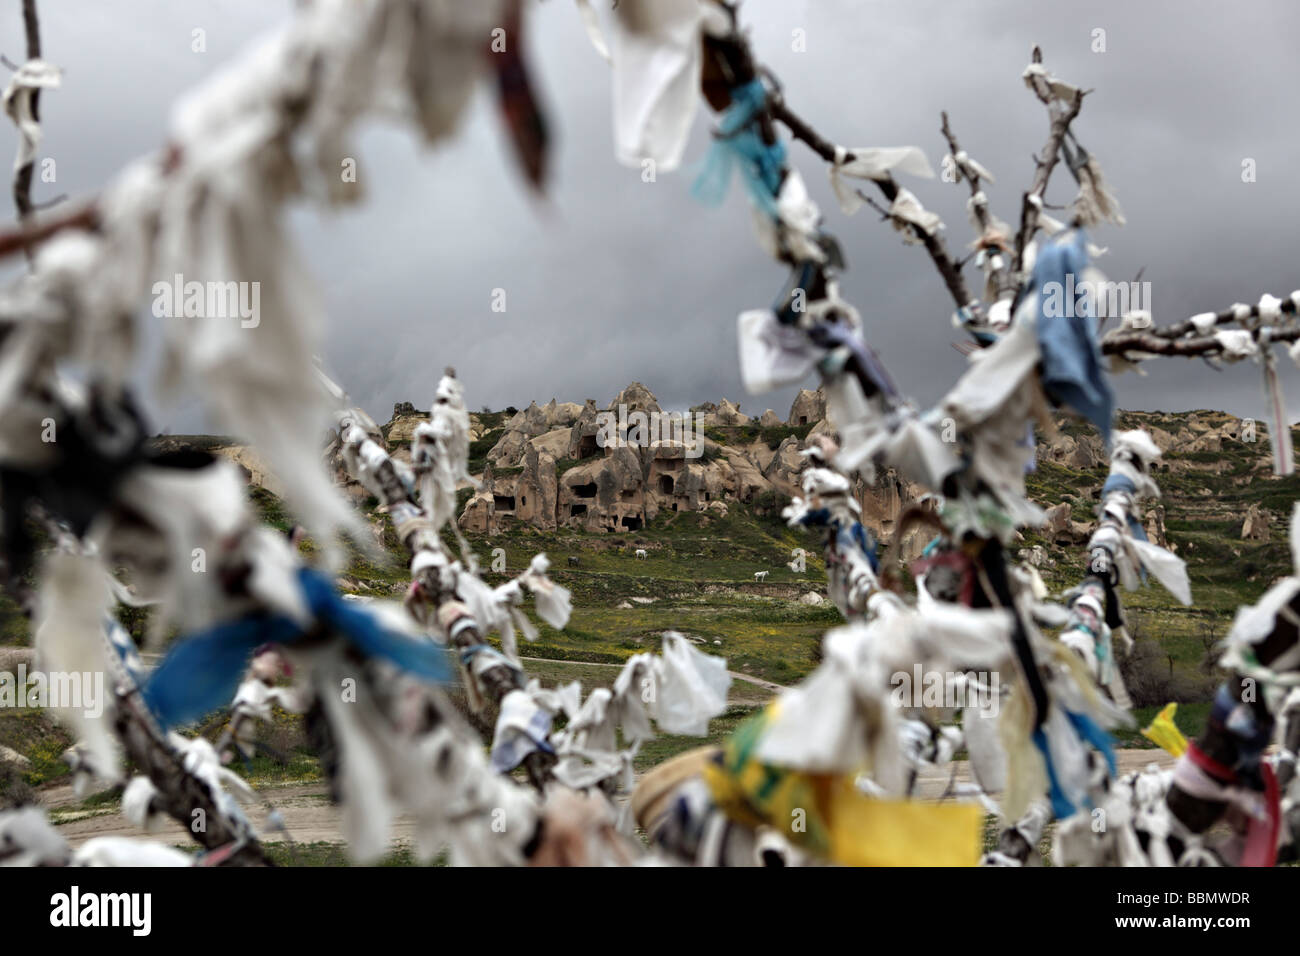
(402, 429)
(13, 657)
(637, 398)
(678, 483)
(1154, 523)
(527, 493)
(1087, 454)
(1256, 525)
(1208, 441)
(561, 414)
(783, 471)
(620, 487)
(721, 414)
(1036, 556)
(9, 755)
(747, 476)
(508, 449)
(254, 468)
(584, 433)
(537, 490)
(1164, 441)
(729, 413)
(555, 442)
(670, 483)
(1058, 520)
(883, 501)
(1081, 452)
(604, 494)
(759, 453)
(616, 485)
(531, 422)
(809, 407)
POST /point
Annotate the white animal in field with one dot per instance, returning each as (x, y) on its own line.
(640, 554)
(760, 575)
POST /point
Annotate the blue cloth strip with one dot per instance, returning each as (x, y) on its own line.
(1072, 372)
(740, 143)
(1088, 731)
(1118, 483)
(363, 630)
(835, 333)
(201, 673)
(1062, 808)
(856, 536)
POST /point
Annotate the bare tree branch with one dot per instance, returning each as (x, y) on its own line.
(1127, 343)
(1187, 337)
(1224, 317)
(884, 213)
(23, 175)
(973, 178)
(1006, 277)
(26, 237)
(934, 244)
(1045, 161)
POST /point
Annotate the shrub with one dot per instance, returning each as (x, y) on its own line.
(14, 790)
(769, 502)
(1153, 680)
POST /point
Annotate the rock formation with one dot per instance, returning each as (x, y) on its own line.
(626, 463)
(1255, 527)
(607, 470)
(809, 407)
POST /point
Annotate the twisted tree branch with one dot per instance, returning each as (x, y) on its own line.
(1061, 118)
(934, 244)
(22, 188)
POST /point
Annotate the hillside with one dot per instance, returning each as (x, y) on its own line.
(1222, 510)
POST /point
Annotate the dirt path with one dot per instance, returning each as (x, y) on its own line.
(307, 812)
(736, 675)
(933, 783)
(310, 817)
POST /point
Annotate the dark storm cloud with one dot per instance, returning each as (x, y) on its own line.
(610, 279)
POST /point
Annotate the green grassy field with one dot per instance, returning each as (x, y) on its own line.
(698, 579)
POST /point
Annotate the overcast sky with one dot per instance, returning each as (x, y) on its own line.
(610, 279)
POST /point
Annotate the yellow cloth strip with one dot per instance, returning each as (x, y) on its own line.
(867, 832)
(828, 816)
(1165, 733)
